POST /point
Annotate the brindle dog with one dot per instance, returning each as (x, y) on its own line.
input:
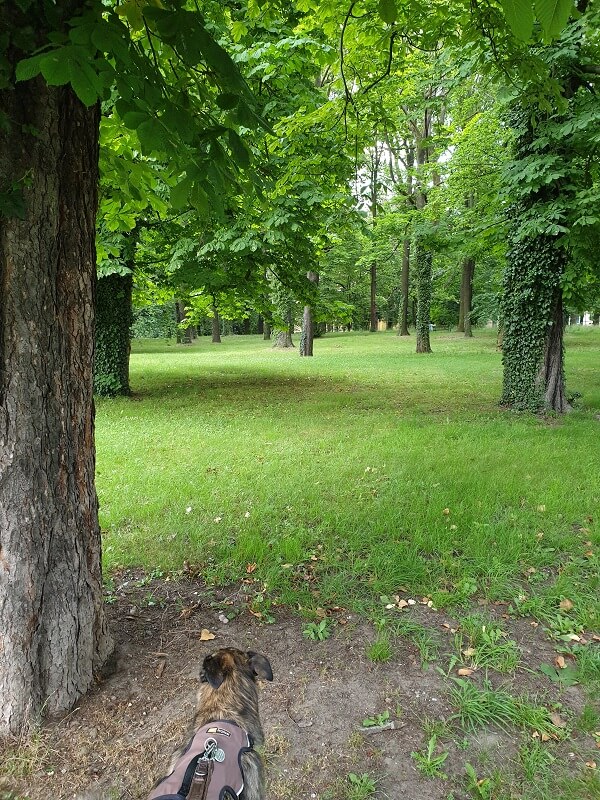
(228, 691)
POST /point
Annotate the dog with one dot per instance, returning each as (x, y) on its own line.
(226, 728)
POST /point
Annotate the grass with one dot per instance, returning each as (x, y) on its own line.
(480, 707)
(340, 478)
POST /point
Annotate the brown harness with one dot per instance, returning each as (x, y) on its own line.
(210, 766)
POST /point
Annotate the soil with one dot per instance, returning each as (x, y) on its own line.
(119, 738)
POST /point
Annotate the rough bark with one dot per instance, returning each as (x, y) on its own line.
(404, 300)
(53, 632)
(308, 323)
(551, 375)
(112, 334)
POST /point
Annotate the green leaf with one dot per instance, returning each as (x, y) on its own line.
(181, 193)
(227, 101)
(85, 83)
(519, 15)
(387, 11)
(553, 15)
(239, 150)
(151, 136)
(29, 68)
(108, 38)
(56, 67)
(133, 119)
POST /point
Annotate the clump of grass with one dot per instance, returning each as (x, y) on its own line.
(483, 643)
(380, 650)
(22, 756)
(477, 708)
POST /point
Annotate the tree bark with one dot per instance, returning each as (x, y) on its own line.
(466, 297)
(216, 326)
(267, 332)
(551, 375)
(308, 322)
(404, 300)
(53, 631)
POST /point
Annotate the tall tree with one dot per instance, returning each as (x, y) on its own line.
(54, 634)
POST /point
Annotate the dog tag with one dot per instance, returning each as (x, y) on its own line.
(219, 755)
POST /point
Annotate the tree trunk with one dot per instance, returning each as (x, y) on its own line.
(466, 297)
(551, 376)
(424, 256)
(308, 322)
(216, 326)
(267, 332)
(373, 327)
(246, 327)
(404, 300)
(112, 335)
(532, 346)
(53, 631)
(283, 337)
(423, 261)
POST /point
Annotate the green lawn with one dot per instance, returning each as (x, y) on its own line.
(348, 475)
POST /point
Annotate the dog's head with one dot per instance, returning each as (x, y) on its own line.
(231, 664)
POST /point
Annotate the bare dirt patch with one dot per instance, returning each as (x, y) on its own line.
(118, 740)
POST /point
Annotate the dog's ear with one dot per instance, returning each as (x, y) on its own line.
(216, 667)
(260, 666)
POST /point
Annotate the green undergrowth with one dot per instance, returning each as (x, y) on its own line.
(351, 475)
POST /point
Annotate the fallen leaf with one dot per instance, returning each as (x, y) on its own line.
(411, 602)
(535, 735)
(591, 764)
(531, 571)
(470, 651)
(545, 738)
(465, 672)
(566, 604)
(206, 635)
(424, 601)
(257, 614)
(560, 662)
(557, 720)
(160, 668)
(250, 568)
(402, 604)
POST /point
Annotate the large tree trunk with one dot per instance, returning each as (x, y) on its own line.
(112, 335)
(532, 346)
(53, 632)
(403, 326)
(308, 323)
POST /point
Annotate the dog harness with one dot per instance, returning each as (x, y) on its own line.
(209, 768)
